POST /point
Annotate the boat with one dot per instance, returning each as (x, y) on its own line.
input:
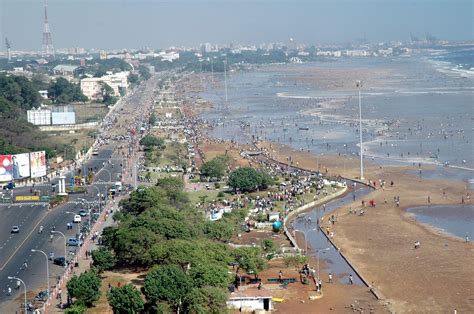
(304, 128)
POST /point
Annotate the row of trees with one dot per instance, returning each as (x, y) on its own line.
(186, 253)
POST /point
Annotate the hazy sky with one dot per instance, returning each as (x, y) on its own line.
(160, 24)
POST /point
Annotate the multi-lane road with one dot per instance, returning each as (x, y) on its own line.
(16, 249)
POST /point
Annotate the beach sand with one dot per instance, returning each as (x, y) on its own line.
(437, 277)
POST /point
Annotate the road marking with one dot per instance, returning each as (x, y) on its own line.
(21, 244)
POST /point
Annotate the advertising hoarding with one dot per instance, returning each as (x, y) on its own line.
(59, 118)
(21, 166)
(38, 164)
(6, 168)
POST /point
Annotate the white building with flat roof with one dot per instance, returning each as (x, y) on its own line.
(91, 87)
(39, 116)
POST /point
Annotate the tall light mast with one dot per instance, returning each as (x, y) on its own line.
(359, 85)
(47, 48)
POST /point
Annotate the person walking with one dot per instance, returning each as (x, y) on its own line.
(351, 280)
(330, 277)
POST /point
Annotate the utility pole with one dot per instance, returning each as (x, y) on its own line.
(359, 85)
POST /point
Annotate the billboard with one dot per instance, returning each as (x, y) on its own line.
(6, 168)
(38, 164)
(21, 166)
(59, 118)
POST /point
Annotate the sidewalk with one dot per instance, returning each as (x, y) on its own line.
(105, 220)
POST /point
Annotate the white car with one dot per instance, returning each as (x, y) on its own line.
(77, 218)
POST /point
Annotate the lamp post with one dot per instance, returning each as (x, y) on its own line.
(305, 240)
(65, 244)
(24, 285)
(317, 256)
(359, 85)
(225, 78)
(47, 266)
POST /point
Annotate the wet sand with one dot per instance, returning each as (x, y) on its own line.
(437, 277)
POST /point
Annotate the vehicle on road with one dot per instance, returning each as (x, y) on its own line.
(95, 152)
(118, 186)
(60, 260)
(9, 186)
(83, 213)
(15, 229)
(77, 218)
(74, 242)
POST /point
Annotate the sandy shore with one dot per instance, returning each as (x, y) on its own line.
(437, 277)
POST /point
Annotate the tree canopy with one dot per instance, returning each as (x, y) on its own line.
(64, 92)
(167, 283)
(214, 168)
(248, 179)
(125, 300)
(85, 287)
(103, 259)
(250, 259)
(150, 141)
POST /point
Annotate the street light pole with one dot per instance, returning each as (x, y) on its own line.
(305, 241)
(24, 285)
(65, 243)
(225, 78)
(47, 267)
(317, 257)
(359, 85)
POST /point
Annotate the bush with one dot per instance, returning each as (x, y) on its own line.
(76, 308)
(221, 194)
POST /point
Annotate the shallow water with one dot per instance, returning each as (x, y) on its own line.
(427, 117)
(457, 220)
(317, 240)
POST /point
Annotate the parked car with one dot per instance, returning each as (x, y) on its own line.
(74, 242)
(77, 218)
(60, 260)
(15, 229)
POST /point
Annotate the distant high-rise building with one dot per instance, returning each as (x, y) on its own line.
(103, 55)
(47, 47)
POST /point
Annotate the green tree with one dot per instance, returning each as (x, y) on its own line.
(103, 259)
(295, 260)
(62, 91)
(133, 79)
(150, 141)
(85, 288)
(167, 283)
(206, 300)
(76, 308)
(125, 299)
(250, 259)
(269, 246)
(221, 230)
(174, 189)
(214, 168)
(144, 72)
(249, 179)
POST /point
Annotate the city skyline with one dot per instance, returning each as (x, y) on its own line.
(111, 24)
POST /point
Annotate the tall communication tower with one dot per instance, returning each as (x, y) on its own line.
(9, 52)
(47, 47)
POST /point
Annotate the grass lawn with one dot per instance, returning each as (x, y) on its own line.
(194, 196)
(175, 154)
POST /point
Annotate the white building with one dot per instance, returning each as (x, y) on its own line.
(92, 87)
(39, 117)
(250, 300)
(43, 93)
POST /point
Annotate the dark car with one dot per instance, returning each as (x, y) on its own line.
(9, 186)
(60, 260)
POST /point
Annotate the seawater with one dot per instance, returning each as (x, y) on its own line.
(425, 117)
